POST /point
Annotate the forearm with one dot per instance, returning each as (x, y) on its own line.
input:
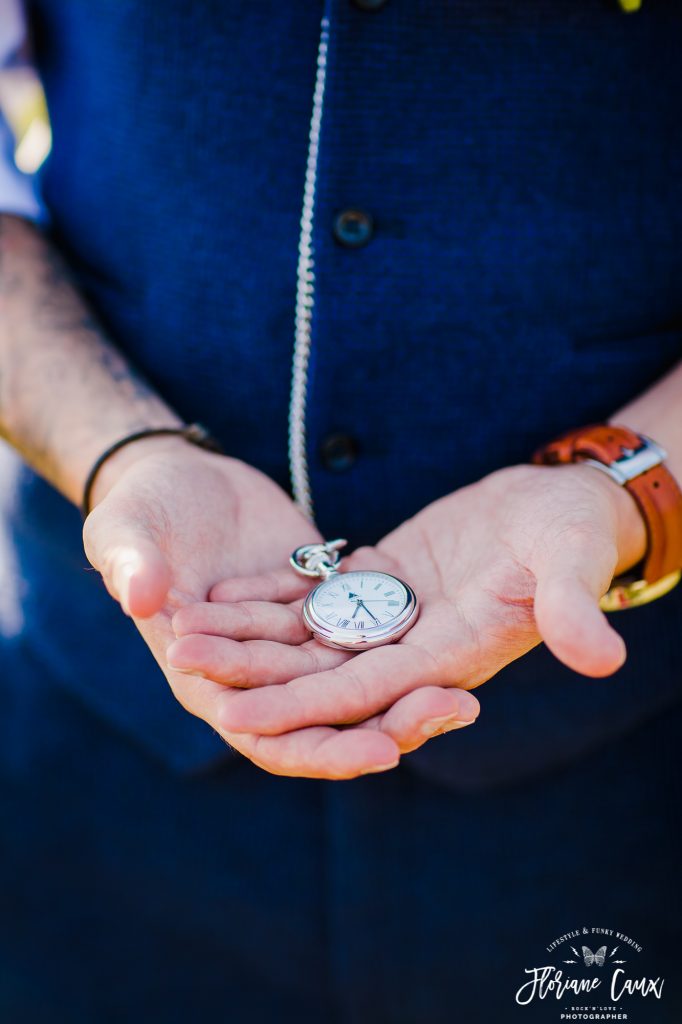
(658, 414)
(65, 392)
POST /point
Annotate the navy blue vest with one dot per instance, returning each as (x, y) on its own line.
(522, 163)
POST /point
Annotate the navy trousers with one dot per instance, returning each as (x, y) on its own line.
(131, 893)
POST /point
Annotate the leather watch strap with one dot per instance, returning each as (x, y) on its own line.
(655, 489)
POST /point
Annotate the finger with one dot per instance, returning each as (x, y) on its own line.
(570, 582)
(424, 713)
(368, 683)
(133, 567)
(319, 753)
(281, 585)
(250, 663)
(245, 620)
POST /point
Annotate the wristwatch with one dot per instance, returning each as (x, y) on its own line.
(636, 462)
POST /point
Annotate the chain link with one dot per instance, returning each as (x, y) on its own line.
(305, 297)
(318, 559)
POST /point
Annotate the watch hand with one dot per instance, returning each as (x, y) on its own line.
(361, 604)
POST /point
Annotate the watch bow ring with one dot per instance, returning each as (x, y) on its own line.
(353, 610)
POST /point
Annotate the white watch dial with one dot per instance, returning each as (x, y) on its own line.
(360, 600)
(360, 609)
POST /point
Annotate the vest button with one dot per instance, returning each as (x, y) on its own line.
(353, 228)
(338, 452)
(369, 5)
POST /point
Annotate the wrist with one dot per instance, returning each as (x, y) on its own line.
(636, 464)
(193, 434)
(629, 525)
(120, 461)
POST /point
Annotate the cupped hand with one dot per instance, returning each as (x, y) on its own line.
(169, 521)
(522, 556)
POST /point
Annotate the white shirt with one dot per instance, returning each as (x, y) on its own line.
(19, 192)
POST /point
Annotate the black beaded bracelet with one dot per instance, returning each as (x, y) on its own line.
(192, 432)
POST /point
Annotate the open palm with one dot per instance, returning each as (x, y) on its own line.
(519, 557)
(177, 520)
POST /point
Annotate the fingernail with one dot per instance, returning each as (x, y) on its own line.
(447, 724)
(123, 574)
(169, 659)
(380, 768)
(180, 668)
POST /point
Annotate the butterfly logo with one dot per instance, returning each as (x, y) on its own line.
(589, 958)
(598, 958)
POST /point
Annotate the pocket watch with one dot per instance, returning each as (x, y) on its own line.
(353, 610)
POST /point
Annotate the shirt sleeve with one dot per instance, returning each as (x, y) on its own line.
(19, 192)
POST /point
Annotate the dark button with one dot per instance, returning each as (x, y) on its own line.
(369, 5)
(353, 228)
(339, 452)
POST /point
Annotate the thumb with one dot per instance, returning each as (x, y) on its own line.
(133, 567)
(573, 574)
